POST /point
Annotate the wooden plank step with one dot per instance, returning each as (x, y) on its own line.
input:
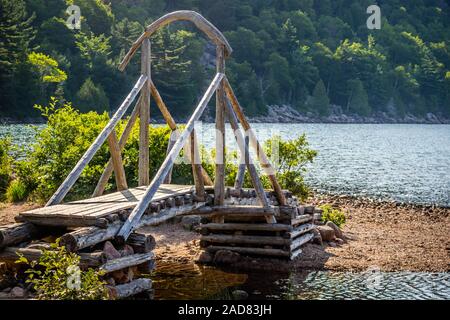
(95, 208)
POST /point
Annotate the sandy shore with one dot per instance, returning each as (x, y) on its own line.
(381, 235)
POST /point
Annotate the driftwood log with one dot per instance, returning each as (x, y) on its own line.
(127, 261)
(141, 243)
(130, 289)
(16, 233)
(11, 254)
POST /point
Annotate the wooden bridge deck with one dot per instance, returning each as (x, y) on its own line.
(89, 211)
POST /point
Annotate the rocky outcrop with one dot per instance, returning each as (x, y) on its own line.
(287, 114)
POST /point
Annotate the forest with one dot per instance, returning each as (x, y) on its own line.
(311, 55)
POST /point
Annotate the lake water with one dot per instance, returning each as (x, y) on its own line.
(190, 281)
(403, 162)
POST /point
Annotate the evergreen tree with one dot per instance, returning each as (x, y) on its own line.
(91, 97)
(16, 33)
(358, 102)
(320, 102)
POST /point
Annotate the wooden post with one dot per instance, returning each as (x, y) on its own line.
(197, 168)
(144, 115)
(219, 181)
(173, 126)
(265, 164)
(100, 188)
(96, 145)
(243, 147)
(119, 171)
(139, 210)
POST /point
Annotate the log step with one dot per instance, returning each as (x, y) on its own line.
(256, 251)
(251, 240)
(247, 227)
(301, 219)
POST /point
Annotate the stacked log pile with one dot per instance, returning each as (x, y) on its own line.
(123, 262)
(246, 231)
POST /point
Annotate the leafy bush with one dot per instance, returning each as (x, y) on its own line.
(334, 215)
(58, 148)
(17, 191)
(293, 156)
(5, 165)
(68, 134)
(57, 276)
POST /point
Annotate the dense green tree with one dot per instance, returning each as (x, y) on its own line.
(320, 103)
(281, 50)
(358, 101)
(91, 97)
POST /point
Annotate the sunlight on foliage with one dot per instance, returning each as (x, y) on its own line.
(57, 276)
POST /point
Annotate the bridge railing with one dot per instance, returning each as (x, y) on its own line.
(73, 176)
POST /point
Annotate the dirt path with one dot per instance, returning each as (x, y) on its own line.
(380, 235)
(9, 211)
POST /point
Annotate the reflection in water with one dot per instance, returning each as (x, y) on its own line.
(190, 281)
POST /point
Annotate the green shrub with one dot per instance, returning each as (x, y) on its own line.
(5, 165)
(293, 156)
(57, 276)
(68, 134)
(334, 215)
(17, 191)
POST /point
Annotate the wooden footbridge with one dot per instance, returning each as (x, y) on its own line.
(249, 221)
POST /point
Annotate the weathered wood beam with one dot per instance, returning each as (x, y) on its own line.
(173, 126)
(236, 210)
(273, 227)
(141, 243)
(219, 181)
(16, 233)
(11, 254)
(102, 182)
(116, 157)
(73, 176)
(265, 164)
(243, 147)
(297, 243)
(253, 251)
(200, 22)
(144, 116)
(246, 240)
(130, 289)
(125, 262)
(239, 182)
(138, 211)
(197, 168)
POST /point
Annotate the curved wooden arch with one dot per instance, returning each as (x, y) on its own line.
(184, 15)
